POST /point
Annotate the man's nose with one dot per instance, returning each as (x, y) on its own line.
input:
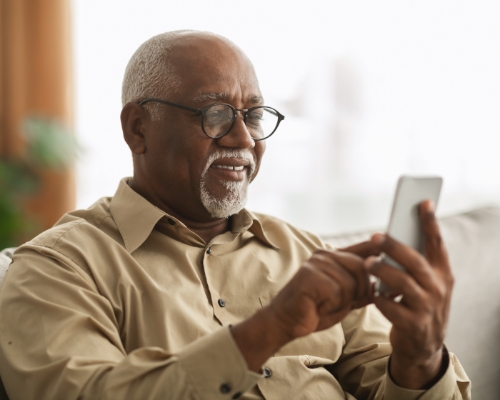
(238, 137)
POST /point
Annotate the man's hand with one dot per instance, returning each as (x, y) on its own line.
(324, 290)
(362, 249)
(420, 318)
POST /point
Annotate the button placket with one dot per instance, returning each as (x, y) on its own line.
(210, 263)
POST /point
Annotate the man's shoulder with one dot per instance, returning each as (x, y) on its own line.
(284, 234)
(79, 239)
(80, 226)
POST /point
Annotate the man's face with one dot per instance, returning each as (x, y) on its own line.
(192, 174)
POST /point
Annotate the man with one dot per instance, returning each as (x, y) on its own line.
(172, 290)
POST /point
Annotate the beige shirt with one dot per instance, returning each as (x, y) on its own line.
(122, 301)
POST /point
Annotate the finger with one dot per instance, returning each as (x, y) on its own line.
(363, 249)
(415, 264)
(399, 315)
(372, 292)
(361, 303)
(324, 291)
(435, 250)
(331, 319)
(353, 265)
(401, 283)
(326, 264)
(357, 269)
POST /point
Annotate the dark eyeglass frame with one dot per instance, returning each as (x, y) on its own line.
(203, 111)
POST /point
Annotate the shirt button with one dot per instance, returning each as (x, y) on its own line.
(267, 372)
(171, 221)
(222, 303)
(209, 250)
(237, 395)
(225, 388)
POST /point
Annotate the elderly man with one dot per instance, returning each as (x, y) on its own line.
(172, 290)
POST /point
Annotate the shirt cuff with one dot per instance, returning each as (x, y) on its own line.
(442, 389)
(216, 367)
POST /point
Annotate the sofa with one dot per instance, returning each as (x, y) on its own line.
(473, 242)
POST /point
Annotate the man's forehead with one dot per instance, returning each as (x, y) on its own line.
(213, 69)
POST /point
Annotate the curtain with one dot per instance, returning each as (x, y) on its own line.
(36, 80)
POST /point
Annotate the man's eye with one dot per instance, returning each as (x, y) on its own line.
(256, 115)
(218, 114)
(255, 119)
(214, 114)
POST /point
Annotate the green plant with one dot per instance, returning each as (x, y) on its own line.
(49, 145)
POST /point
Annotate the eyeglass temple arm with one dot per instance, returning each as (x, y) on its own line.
(168, 103)
(280, 116)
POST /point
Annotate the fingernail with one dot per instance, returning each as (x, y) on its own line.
(429, 205)
(378, 238)
(370, 261)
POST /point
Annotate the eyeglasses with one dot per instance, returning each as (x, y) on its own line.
(218, 119)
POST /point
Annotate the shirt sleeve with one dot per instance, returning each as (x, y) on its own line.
(362, 369)
(60, 340)
(454, 384)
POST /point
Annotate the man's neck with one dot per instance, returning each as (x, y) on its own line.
(207, 229)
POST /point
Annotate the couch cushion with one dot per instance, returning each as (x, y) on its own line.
(473, 241)
(5, 260)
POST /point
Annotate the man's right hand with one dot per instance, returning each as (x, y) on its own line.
(324, 290)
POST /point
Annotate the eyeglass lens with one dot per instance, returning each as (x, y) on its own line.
(261, 121)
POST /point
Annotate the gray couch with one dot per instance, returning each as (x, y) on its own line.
(473, 241)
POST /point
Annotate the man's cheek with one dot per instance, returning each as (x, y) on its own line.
(253, 174)
(212, 184)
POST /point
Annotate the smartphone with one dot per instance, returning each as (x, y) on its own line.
(404, 224)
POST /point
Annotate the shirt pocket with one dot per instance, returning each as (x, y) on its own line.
(325, 344)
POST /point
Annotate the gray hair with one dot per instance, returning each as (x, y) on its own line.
(150, 73)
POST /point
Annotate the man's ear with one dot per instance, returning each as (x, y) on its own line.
(134, 124)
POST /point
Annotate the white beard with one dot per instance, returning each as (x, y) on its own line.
(231, 204)
(236, 196)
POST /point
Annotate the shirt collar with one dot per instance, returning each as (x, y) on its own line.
(246, 220)
(135, 218)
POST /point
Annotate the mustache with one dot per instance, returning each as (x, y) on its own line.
(241, 154)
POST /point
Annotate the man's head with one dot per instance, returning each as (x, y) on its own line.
(177, 166)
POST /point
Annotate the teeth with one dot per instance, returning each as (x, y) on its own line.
(237, 168)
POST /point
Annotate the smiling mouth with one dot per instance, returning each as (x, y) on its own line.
(226, 172)
(229, 167)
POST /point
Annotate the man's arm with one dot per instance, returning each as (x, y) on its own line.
(331, 284)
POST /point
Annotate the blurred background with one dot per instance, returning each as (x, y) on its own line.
(370, 91)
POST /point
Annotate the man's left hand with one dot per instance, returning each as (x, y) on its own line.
(420, 319)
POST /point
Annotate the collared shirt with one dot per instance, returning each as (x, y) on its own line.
(122, 301)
